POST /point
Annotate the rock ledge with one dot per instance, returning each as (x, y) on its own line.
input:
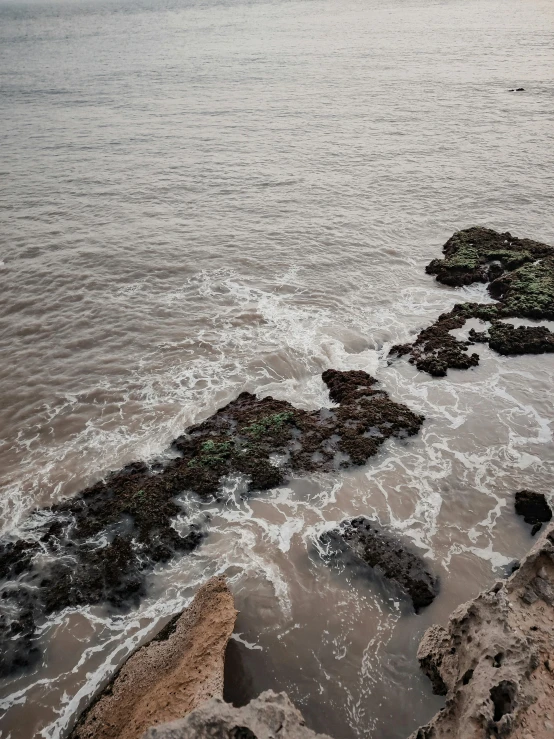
(493, 661)
(268, 716)
(171, 675)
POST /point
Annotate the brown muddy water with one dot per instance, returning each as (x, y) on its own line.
(200, 198)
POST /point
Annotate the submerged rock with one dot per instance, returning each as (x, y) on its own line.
(269, 716)
(98, 546)
(493, 660)
(533, 507)
(371, 545)
(179, 669)
(520, 273)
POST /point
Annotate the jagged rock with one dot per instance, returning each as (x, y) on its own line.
(520, 277)
(506, 339)
(369, 544)
(533, 507)
(269, 716)
(469, 254)
(133, 510)
(180, 668)
(493, 659)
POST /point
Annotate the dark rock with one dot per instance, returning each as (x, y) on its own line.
(504, 338)
(469, 254)
(242, 436)
(520, 273)
(435, 350)
(478, 337)
(133, 509)
(533, 507)
(368, 543)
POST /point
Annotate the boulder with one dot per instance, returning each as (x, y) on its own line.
(370, 545)
(269, 716)
(533, 507)
(180, 668)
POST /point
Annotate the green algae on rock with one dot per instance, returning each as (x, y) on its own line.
(520, 273)
(98, 546)
(469, 256)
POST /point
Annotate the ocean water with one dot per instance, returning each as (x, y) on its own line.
(200, 198)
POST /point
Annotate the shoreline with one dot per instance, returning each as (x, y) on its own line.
(245, 434)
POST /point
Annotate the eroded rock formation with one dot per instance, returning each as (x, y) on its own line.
(181, 668)
(98, 546)
(369, 544)
(269, 716)
(494, 660)
(520, 273)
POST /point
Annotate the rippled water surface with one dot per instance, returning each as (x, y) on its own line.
(199, 198)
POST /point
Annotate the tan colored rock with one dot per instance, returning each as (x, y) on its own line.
(174, 673)
(493, 660)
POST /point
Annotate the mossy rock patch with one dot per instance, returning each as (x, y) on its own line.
(520, 277)
(98, 546)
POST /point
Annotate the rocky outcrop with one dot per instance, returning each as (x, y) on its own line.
(133, 510)
(533, 507)
(494, 660)
(269, 716)
(483, 255)
(368, 544)
(507, 339)
(174, 673)
(520, 273)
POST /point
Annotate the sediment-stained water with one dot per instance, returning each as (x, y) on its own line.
(204, 198)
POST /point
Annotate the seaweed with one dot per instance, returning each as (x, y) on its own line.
(97, 547)
(520, 277)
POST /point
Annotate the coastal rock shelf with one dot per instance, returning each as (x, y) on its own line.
(520, 277)
(268, 716)
(98, 546)
(493, 661)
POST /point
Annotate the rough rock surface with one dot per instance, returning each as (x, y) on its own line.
(132, 512)
(533, 507)
(520, 273)
(494, 660)
(270, 716)
(371, 545)
(174, 673)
